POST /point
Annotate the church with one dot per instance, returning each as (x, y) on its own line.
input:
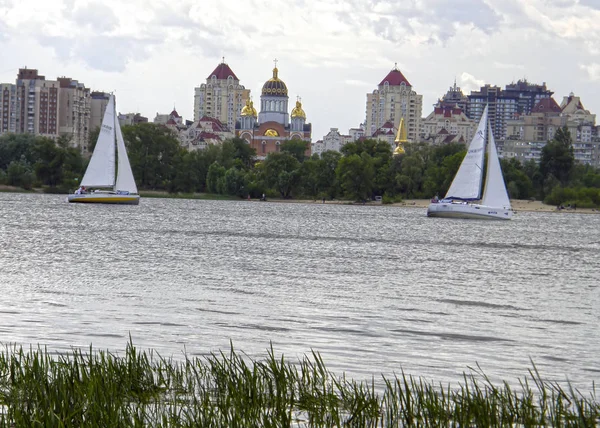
(267, 130)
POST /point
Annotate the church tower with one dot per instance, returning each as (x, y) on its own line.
(298, 117)
(274, 100)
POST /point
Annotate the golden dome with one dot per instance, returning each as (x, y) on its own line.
(275, 87)
(271, 133)
(249, 109)
(297, 111)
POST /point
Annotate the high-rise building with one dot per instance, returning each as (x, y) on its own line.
(98, 103)
(393, 99)
(8, 105)
(37, 104)
(221, 97)
(74, 111)
(515, 100)
(454, 97)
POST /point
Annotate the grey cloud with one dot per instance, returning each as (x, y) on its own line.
(211, 46)
(438, 16)
(96, 15)
(99, 52)
(594, 4)
(169, 17)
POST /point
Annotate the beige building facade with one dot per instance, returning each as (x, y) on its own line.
(394, 99)
(527, 135)
(221, 97)
(8, 101)
(74, 108)
(447, 124)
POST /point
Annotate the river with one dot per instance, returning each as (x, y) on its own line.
(374, 289)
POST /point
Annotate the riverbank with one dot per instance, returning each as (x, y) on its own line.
(517, 204)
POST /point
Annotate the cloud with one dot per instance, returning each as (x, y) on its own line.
(469, 83)
(104, 53)
(96, 17)
(592, 4)
(592, 71)
(424, 21)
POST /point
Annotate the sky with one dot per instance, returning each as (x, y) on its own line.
(331, 53)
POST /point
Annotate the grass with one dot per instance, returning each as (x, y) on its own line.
(228, 389)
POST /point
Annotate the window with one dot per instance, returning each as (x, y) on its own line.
(264, 147)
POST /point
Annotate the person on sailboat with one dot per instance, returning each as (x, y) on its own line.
(80, 191)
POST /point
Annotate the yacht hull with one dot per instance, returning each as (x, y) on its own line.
(469, 211)
(105, 198)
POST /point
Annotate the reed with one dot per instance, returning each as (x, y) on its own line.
(230, 389)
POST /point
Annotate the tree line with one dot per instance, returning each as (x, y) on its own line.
(360, 172)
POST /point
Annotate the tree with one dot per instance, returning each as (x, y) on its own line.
(237, 149)
(50, 161)
(355, 174)
(328, 182)
(16, 147)
(296, 148)
(216, 174)
(557, 157)
(153, 150)
(20, 174)
(281, 172)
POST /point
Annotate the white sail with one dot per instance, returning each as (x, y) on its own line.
(467, 181)
(495, 194)
(125, 180)
(101, 169)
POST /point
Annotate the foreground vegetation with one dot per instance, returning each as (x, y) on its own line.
(230, 390)
(362, 171)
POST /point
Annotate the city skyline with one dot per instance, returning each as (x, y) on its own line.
(153, 54)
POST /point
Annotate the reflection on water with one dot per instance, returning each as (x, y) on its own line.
(374, 289)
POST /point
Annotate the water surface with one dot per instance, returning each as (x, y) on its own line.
(374, 289)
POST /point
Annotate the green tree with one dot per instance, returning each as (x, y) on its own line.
(296, 148)
(235, 182)
(16, 147)
(49, 166)
(153, 151)
(281, 172)
(19, 173)
(216, 174)
(557, 157)
(355, 174)
(328, 164)
(236, 149)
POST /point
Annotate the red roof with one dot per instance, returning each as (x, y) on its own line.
(171, 122)
(395, 78)
(222, 72)
(546, 105)
(174, 113)
(216, 124)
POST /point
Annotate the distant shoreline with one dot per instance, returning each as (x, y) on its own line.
(517, 204)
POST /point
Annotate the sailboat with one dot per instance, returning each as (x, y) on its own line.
(109, 186)
(465, 189)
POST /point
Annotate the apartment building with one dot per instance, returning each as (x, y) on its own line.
(74, 108)
(221, 97)
(515, 100)
(394, 99)
(8, 100)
